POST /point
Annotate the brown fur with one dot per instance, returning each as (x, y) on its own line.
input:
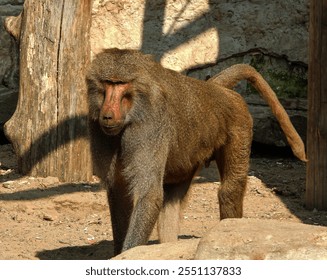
(151, 129)
(232, 75)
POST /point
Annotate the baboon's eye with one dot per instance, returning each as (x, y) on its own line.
(128, 95)
(113, 82)
(108, 82)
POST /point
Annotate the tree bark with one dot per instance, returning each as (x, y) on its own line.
(316, 189)
(49, 127)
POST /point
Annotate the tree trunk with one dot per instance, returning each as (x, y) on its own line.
(49, 127)
(316, 191)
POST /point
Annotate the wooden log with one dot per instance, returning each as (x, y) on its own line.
(316, 189)
(49, 127)
(13, 25)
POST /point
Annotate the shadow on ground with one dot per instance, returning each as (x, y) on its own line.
(102, 250)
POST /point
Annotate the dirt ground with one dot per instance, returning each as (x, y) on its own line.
(41, 218)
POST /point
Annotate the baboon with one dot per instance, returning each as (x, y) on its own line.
(152, 128)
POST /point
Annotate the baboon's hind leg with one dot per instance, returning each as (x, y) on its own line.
(233, 164)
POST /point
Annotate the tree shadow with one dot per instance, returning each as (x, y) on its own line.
(102, 250)
(172, 39)
(68, 130)
(39, 193)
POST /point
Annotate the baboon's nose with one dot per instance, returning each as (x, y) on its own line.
(108, 116)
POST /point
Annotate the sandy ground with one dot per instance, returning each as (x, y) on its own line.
(42, 218)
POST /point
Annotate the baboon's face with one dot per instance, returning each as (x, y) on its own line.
(119, 88)
(110, 102)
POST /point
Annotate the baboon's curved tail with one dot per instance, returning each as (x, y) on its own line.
(231, 76)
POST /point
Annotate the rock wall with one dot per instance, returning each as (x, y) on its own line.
(200, 38)
(181, 34)
(9, 70)
(8, 49)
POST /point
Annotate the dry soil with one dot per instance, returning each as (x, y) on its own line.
(42, 218)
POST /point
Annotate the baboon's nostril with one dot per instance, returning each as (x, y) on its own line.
(108, 116)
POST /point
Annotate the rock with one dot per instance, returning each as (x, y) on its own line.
(251, 239)
(266, 129)
(184, 34)
(8, 101)
(274, 25)
(181, 250)
(9, 69)
(50, 215)
(181, 34)
(242, 239)
(8, 184)
(49, 181)
(8, 48)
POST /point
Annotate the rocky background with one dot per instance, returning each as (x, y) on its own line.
(199, 38)
(9, 64)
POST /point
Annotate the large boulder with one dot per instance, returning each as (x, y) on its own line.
(251, 239)
(242, 239)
